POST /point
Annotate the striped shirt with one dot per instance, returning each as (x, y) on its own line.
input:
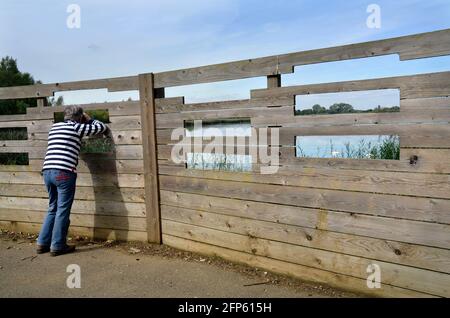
(64, 143)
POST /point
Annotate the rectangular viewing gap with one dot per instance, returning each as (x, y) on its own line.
(217, 91)
(222, 127)
(88, 96)
(14, 158)
(13, 133)
(224, 162)
(350, 147)
(99, 114)
(370, 101)
(94, 144)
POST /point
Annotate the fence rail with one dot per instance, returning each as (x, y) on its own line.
(319, 219)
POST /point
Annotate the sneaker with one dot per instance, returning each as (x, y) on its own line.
(65, 250)
(41, 249)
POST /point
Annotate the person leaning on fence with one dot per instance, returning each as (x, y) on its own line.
(59, 172)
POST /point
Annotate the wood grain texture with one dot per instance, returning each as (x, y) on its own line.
(411, 278)
(286, 268)
(147, 98)
(300, 226)
(407, 47)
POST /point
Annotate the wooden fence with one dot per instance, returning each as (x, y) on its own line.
(323, 220)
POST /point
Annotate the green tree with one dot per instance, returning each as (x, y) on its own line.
(339, 108)
(11, 76)
(317, 109)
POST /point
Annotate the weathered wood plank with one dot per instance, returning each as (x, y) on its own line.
(401, 118)
(97, 221)
(175, 120)
(96, 166)
(249, 240)
(233, 104)
(408, 47)
(416, 136)
(425, 104)
(399, 183)
(289, 269)
(98, 233)
(356, 202)
(151, 182)
(114, 109)
(83, 179)
(300, 226)
(45, 90)
(113, 208)
(429, 160)
(412, 86)
(97, 193)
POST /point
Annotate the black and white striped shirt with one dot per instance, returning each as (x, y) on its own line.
(64, 143)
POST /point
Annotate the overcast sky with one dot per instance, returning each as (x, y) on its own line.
(119, 38)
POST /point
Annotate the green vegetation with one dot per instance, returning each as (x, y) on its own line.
(99, 114)
(387, 148)
(13, 158)
(13, 133)
(343, 108)
(97, 145)
(11, 76)
(221, 162)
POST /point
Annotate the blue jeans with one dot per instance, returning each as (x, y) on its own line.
(61, 190)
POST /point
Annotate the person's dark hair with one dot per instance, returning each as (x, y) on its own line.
(73, 112)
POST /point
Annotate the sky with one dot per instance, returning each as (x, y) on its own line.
(120, 38)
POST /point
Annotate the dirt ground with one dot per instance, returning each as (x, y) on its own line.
(113, 269)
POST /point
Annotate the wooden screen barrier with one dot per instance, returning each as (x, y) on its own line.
(322, 220)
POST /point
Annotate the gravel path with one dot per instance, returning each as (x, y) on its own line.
(138, 270)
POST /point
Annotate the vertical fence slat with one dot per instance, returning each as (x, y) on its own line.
(147, 100)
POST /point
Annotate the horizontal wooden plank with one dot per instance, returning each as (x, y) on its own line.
(114, 109)
(232, 104)
(384, 182)
(298, 226)
(429, 160)
(411, 136)
(98, 194)
(44, 90)
(357, 203)
(425, 104)
(356, 119)
(97, 221)
(120, 152)
(83, 179)
(175, 120)
(125, 122)
(408, 47)
(97, 165)
(120, 137)
(98, 233)
(113, 208)
(412, 86)
(412, 278)
(290, 269)
(25, 117)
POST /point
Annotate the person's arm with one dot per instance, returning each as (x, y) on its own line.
(90, 127)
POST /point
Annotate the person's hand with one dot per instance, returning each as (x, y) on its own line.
(86, 117)
(107, 133)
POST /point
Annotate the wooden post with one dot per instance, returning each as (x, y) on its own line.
(147, 101)
(40, 102)
(273, 81)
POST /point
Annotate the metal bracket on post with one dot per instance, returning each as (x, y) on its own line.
(151, 182)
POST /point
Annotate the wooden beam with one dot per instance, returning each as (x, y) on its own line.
(147, 99)
(274, 81)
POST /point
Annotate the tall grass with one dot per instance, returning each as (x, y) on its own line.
(388, 147)
(222, 162)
